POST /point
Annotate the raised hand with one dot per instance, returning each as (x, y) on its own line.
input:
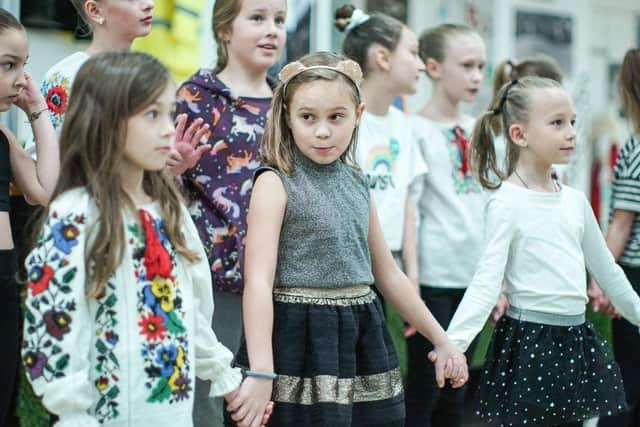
(187, 149)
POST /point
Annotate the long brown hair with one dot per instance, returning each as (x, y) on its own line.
(278, 146)
(110, 88)
(511, 105)
(224, 13)
(629, 87)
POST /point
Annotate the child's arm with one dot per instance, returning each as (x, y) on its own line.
(483, 291)
(213, 359)
(618, 234)
(605, 271)
(410, 242)
(58, 327)
(266, 213)
(36, 180)
(400, 292)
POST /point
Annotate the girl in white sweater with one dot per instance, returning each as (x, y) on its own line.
(546, 365)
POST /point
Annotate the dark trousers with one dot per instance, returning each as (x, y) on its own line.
(427, 405)
(9, 315)
(626, 345)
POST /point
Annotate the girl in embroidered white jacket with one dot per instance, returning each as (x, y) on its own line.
(119, 304)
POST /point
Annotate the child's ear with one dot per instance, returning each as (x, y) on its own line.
(433, 68)
(93, 12)
(517, 136)
(380, 57)
(359, 111)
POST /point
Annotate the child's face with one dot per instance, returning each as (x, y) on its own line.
(257, 35)
(150, 133)
(14, 50)
(406, 65)
(462, 70)
(322, 117)
(127, 19)
(549, 135)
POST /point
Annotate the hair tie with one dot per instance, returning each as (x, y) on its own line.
(503, 100)
(358, 17)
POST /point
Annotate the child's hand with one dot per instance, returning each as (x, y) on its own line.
(30, 99)
(501, 307)
(250, 405)
(186, 145)
(449, 363)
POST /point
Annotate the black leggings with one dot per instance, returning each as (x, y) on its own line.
(427, 405)
(9, 314)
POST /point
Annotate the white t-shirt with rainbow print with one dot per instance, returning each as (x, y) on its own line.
(388, 154)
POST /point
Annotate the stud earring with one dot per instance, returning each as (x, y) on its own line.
(100, 21)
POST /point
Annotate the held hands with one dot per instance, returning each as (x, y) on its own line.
(600, 302)
(501, 307)
(186, 150)
(250, 405)
(449, 363)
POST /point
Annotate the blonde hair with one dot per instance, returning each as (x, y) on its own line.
(512, 104)
(629, 87)
(278, 146)
(110, 88)
(540, 66)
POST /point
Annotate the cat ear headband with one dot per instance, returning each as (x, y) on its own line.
(347, 67)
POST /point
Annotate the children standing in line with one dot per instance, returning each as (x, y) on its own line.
(233, 100)
(37, 180)
(315, 332)
(623, 240)
(387, 52)
(119, 297)
(546, 365)
(450, 207)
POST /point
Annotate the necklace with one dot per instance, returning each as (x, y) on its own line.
(520, 178)
(555, 184)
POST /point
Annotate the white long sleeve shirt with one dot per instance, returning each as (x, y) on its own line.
(130, 356)
(541, 243)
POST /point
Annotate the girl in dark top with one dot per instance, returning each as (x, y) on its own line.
(36, 180)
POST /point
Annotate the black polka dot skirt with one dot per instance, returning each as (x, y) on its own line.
(544, 369)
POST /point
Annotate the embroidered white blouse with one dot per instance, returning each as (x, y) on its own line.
(130, 356)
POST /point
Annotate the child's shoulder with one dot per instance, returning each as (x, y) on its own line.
(68, 65)
(76, 200)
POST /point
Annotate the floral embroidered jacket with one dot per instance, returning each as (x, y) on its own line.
(219, 186)
(130, 356)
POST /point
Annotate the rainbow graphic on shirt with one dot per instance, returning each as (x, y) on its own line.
(380, 164)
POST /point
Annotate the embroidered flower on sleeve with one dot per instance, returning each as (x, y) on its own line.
(65, 236)
(39, 279)
(35, 363)
(57, 323)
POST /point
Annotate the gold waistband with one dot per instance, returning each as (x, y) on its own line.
(352, 295)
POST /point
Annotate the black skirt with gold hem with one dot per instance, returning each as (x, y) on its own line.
(335, 360)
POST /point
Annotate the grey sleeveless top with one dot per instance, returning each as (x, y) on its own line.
(324, 234)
